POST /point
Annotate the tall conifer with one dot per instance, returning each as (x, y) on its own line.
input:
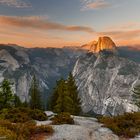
(35, 100)
(6, 96)
(63, 102)
(73, 93)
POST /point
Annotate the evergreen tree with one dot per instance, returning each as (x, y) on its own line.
(54, 97)
(136, 95)
(73, 93)
(62, 101)
(65, 97)
(17, 101)
(35, 101)
(6, 96)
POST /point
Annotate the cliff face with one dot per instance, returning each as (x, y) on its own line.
(19, 64)
(104, 79)
(105, 83)
(103, 43)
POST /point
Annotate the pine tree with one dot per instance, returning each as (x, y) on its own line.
(17, 101)
(62, 102)
(35, 101)
(73, 93)
(54, 96)
(6, 96)
(136, 95)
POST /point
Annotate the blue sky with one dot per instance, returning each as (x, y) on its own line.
(76, 21)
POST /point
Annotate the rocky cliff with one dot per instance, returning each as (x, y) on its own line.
(103, 43)
(105, 81)
(18, 64)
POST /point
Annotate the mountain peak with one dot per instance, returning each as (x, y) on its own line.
(103, 43)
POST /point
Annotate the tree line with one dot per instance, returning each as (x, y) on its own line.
(64, 97)
(8, 99)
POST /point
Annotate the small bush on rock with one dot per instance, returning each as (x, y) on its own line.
(127, 125)
(62, 118)
(38, 115)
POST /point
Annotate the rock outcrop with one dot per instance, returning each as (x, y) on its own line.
(105, 82)
(103, 43)
(85, 128)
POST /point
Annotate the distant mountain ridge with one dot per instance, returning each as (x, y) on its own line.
(50, 64)
(18, 64)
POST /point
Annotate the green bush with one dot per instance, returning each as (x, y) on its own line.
(21, 115)
(127, 125)
(16, 115)
(62, 118)
(38, 115)
(3, 113)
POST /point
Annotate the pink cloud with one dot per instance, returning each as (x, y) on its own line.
(41, 24)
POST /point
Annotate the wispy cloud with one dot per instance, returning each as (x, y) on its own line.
(94, 4)
(41, 24)
(16, 3)
(130, 34)
(125, 26)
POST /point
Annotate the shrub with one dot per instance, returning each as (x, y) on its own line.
(21, 115)
(7, 134)
(3, 113)
(127, 125)
(38, 115)
(22, 131)
(41, 129)
(16, 115)
(62, 118)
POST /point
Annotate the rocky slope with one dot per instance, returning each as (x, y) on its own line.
(19, 64)
(84, 128)
(105, 82)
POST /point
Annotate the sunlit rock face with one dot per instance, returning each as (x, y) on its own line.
(105, 81)
(103, 43)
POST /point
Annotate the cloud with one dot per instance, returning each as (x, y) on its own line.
(130, 34)
(124, 26)
(40, 23)
(94, 4)
(15, 3)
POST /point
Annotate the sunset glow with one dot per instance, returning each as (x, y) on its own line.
(47, 23)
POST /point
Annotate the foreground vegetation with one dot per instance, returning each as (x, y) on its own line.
(19, 124)
(65, 97)
(62, 118)
(22, 131)
(127, 125)
(17, 119)
(21, 115)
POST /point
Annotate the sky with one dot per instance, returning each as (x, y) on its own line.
(58, 23)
